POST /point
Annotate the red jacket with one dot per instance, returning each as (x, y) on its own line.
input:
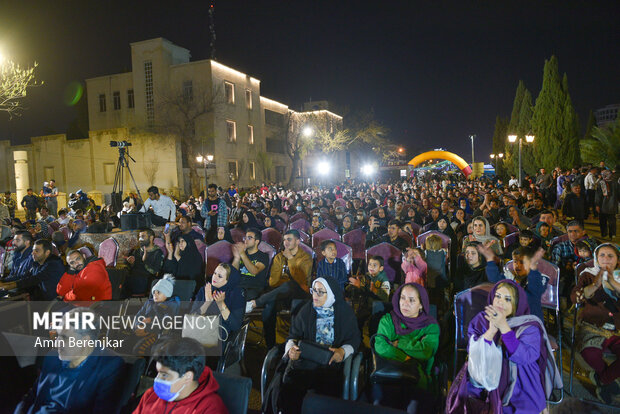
(203, 400)
(91, 283)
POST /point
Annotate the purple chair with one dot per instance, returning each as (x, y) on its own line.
(201, 246)
(357, 240)
(426, 228)
(55, 251)
(66, 231)
(108, 251)
(445, 239)
(220, 252)
(323, 234)
(392, 259)
(344, 252)
(285, 217)
(308, 250)
(237, 234)
(510, 239)
(54, 225)
(300, 224)
(86, 252)
(280, 226)
(416, 228)
(298, 216)
(406, 236)
(2, 253)
(304, 237)
(159, 242)
(199, 230)
(557, 240)
(269, 249)
(467, 304)
(273, 237)
(330, 224)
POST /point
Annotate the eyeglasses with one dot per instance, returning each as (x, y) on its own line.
(248, 238)
(319, 293)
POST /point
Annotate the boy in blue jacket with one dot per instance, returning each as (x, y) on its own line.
(331, 265)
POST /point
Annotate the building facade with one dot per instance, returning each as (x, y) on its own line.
(606, 115)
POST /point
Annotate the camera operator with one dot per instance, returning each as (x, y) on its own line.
(160, 208)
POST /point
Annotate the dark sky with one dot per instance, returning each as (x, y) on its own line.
(434, 71)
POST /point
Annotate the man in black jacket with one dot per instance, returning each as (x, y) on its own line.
(575, 204)
(30, 203)
(44, 274)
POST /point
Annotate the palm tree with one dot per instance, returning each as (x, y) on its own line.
(603, 146)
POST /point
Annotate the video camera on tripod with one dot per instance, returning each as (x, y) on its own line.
(120, 144)
(117, 189)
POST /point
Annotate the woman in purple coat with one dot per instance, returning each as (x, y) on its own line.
(506, 340)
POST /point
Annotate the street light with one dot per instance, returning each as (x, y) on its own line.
(307, 132)
(512, 139)
(472, 149)
(368, 170)
(323, 168)
(206, 160)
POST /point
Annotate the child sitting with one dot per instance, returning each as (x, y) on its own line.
(584, 252)
(364, 289)
(316, 225)
(543, 231)
(331, 265)
(414, 266)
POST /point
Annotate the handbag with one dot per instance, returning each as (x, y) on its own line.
(389, 370)
(311, 351)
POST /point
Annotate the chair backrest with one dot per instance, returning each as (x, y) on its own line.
(308, 250)
(201, 246)
(344, 252)
(285, 217)
(323, 234)
(267, 248)
(467, 304)
(117, 279)
(235, 348)
(159, 242)
(220, 252)
(535, 219)
(298, 216)
(426, 227)
(54, 225)
(199, 230)
(510, 239)
(304, 237)
(445, 239)
(2, 254)
(234, 392)
(558, 239)
(357, 240)
(330, 224)
(85, 251)
(280, 226)
(406, 236)
(134, 368)
(392, 259)
(273, 237)
(184, 289)
(66, 231)
(300, 224)
(108, 251)
(416, 228)
(237, 234)
(581, 267)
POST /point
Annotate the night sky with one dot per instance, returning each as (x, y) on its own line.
(433, 71)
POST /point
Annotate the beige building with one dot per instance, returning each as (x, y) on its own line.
(164, 102)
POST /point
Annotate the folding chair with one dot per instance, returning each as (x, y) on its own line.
(237, 234)
(298, 216)
(407, 237)
(357, 240)
(510, 239)
(330, 224)
(322, 235)
(304, 237)
(416, 229)
(344, 252)
(220, 252)
(234, 391)
(273, 237)
(234, 351)
(392, 259)
(199, 230)
(557, 240)
(108, 251)
(300, 224)
(86, 252)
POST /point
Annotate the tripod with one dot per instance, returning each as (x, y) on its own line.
(117, 189)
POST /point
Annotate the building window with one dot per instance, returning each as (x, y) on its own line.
(130, 103)
(148, 83)
(232, 169)
(231, 129)
(248, 99)
(102, 102)
(252, 170)
(250, 134)
(109, 170)
(188, 91)
(116, 100)
(280, 173)
(229, 91)
(275, 145)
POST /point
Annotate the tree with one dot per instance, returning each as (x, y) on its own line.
(590, 125)
(499, 144)
(603, 146)
(520, 125)
(14, 84)
(178, 112)
(570, 128)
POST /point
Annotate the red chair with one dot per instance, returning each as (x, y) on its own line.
(86, 252)
(344, 252)
(201, 246)
(159, 242)
(273, 237)
(323, 234)
(300, 224)
(510, 239)
(357, 240)
(237, 234)
(220, 252)
(108, 251)
(392, 259)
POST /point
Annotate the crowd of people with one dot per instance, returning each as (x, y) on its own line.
(476, 227)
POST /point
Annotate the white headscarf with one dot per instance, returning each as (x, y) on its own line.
(330, 295)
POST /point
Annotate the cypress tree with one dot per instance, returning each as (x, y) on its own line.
(499, 143)
(590, 125)
(511, 150)
(571, 128)
(525, 128)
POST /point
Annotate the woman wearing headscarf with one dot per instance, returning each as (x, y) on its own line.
(224, 293)
(184, 261)
(482, 234)
(223, 233)
(519, 219)
(472, 270)
(42, 230)
(328, 321)
(464, 205)
(459, 224)
(408, 332)
(598, 290)
(248, 221)
(510, 368)
(347, 224)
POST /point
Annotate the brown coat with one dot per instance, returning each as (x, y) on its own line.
(300, 267)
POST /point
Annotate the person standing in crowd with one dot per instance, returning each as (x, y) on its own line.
(575, 206)
(5, 215)
(589, 184)
(10, 203)
(606, 201)
(544, 182)
(51, 198)
(30, 203)
(215, 213)
(159, 208)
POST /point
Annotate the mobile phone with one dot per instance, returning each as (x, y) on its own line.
(167, 228)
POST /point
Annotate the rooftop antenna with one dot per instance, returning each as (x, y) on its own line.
(212, 27)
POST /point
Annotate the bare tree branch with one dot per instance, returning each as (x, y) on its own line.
(14, 83)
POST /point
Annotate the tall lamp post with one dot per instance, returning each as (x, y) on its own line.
(307, 132)
(205, 161)
(512, 139)
(472, 149)
(496, 158)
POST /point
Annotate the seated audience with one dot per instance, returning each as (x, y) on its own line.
(482, 234)
(86, 279)
(393, 238)
(414, 266)
(472, 270)
(184, 260)
(187, 229)
(251, 263)
(145, 263)
(364, 289)
(22, 259)
(331, 265)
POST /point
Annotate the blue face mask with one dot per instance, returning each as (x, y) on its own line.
(162, 389)
(298, 208)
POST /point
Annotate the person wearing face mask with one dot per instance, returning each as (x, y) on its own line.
(407, 333)
(86, 279)
(184, 383)
(510, 360)
(145, 262)
(223, 292)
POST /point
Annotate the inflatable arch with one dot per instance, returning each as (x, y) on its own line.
(443, 155)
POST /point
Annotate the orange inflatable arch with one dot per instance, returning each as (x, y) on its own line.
(443, 155)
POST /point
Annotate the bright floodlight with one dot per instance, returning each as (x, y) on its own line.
(492, 156)
(368, 169)
(307, 131)
(501, 155)
(323, 168)
(512, 138)
(529, 138)
(209, 157)
(199, 158)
